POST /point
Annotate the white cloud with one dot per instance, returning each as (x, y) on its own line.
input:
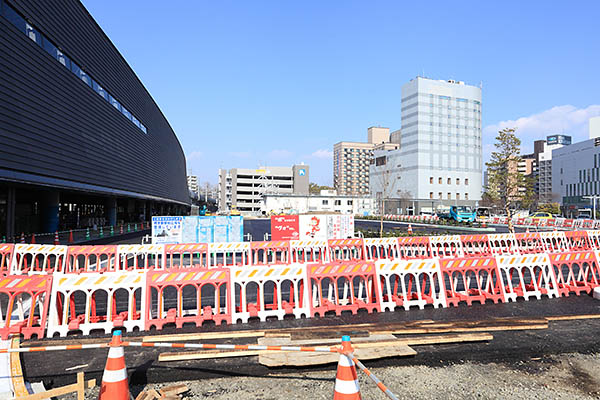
(195, 155)
(322, 153)
(566, 119)
(279, 153)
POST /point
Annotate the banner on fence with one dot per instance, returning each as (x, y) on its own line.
(197, 229)
(285, 227)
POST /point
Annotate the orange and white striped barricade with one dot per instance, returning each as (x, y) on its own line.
(555, 242)
(577, 223)
(141, 256)
(37, 259)
(24, 302)
(97, 301)
(596, 224)
(193, 295)
(527, 275)
(587, 224)
(472, 279)
(346, 249)
(530, 242)
(576, 271)
(446, 246)
(270, 252)
(309, 251)
(264, 291)
(578, 240)
(476, 245)
(559, 222)
(186, 255)
(410, 283)
(519, 221)
(6, 254)
(530, 221)
(594, 238)
(568, 223)
(410, 247)
(346, 286)
(229, 254)
(384, 248)
(503, 243)
(91, 259)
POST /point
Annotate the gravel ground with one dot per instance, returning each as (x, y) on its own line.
(567, 376)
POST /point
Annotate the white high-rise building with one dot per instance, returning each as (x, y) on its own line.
(440, 157)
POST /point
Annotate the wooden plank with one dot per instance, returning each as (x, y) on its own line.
(58, 391)
(573, 317)
(203, 336)
(16, 371)
(80, 386)
(173, 390)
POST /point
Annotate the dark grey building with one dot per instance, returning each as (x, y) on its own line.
(81, 139)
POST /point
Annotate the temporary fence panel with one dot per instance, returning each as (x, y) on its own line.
(503, 243)
(229, 254)
(476, 245)
(410, 283)
(24, 302)
(530, 242)
(193, 295)
(269, 291)
(446, 246)
(414, 247)
(528, 275)
(97, 301)
(575, 271)
(270, 252)
(37, 259)
(188, 255)
(472, 279)
(141, 256)
(384, 248)
(346, 286)
(568, 223)
(6, 253)
(346, 249)
(594, 239)
(578, 240)
(587, 223)
(91, 259)
(555, 242)
(309, 251)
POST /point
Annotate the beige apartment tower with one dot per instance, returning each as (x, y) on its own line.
(351, 161)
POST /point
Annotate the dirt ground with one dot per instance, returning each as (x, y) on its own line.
(566, 376)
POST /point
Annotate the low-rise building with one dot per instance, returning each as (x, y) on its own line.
(243, 189)
(326, 201)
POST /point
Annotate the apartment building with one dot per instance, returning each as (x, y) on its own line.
(351, 161)
(192, 182)
(244, 189)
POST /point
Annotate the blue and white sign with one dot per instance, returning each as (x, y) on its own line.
(166, 230)
(301, 172)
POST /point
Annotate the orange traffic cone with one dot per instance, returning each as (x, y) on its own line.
(71, 236)
(33, 238)
(409, 230)
(22, 237)
(346, 381)
(56, 241)
(114, 381)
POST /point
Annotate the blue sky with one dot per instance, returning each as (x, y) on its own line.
(252, 83)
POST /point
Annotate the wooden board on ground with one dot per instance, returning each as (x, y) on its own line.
(573, 317)
(78, 387)
(207, 354)
(203, 336)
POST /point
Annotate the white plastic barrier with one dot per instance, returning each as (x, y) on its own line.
(269, 291)
(446, 246)
(384, 248)
(38, 259)
(594, 236)
(408, 283)
(528, 275)
(141, 256)
(87, 301)
(555, 241)
(309, 251)
(503, 243)
(346, 249)
(229, 254)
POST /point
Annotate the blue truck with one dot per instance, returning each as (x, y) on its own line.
(462, 214)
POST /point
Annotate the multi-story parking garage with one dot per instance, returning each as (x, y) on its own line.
(81, 139)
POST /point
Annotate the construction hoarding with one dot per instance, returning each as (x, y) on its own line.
(198, 229)
(285, 227)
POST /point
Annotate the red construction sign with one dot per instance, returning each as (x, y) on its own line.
(285, 227)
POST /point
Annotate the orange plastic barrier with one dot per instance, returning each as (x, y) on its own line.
(270, 252)
(348, 286)
(6, 252)
(578, 240)
(189, 255)
(346, 249)
(472, 279)
(193, 295)
(24, 302)
(476, 245)
(575, 271)
(555, 242)
(414, 247)
(530, 242)
(91, 259)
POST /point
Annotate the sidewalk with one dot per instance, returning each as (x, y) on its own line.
(101, 235)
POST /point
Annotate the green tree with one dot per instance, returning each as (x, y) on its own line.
(313, 188)
(506, 184)
(552, 208)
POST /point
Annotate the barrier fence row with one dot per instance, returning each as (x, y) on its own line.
(558, 222)
(30, 259)
(148, 295)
